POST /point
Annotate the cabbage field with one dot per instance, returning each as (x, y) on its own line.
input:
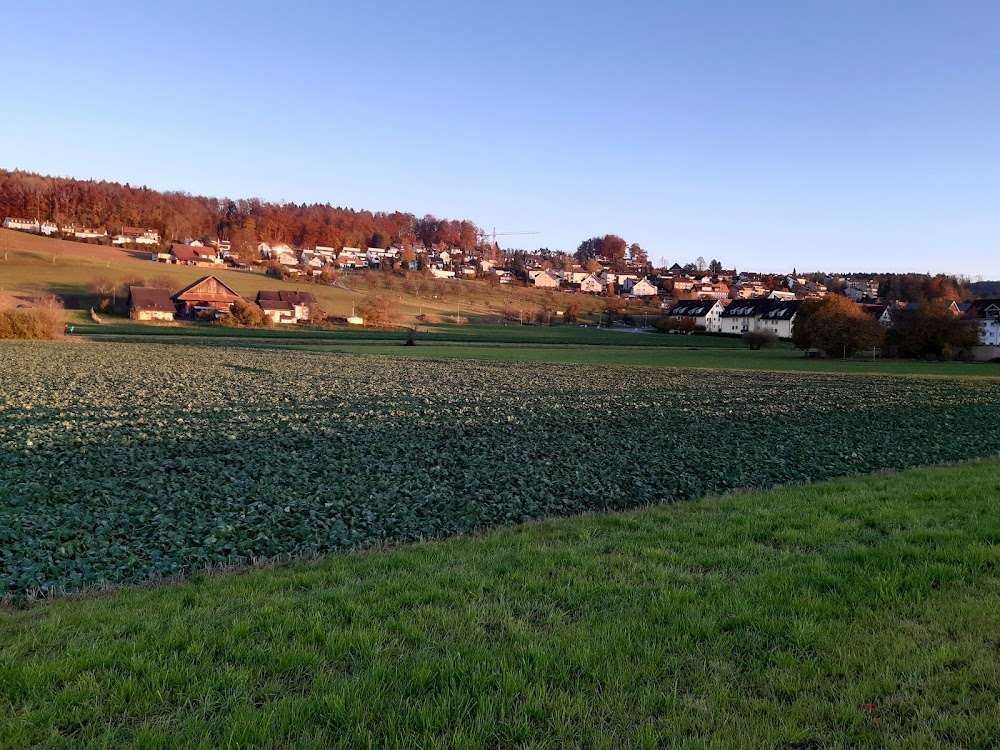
(123, 463)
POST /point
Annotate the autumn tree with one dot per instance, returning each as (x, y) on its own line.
(378, 309)
(838, 327)
(613, 249)
(588, 249)
(930, 329)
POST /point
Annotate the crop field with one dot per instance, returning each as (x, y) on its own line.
(122, 463)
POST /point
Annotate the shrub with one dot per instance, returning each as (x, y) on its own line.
(244, 314)
(760, 339)
(31, 323)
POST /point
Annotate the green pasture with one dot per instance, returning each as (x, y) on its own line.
(859, 613)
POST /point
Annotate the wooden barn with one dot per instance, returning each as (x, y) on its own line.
(145, 303)
(206, 299)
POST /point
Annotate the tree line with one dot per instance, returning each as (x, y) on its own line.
(244, 222)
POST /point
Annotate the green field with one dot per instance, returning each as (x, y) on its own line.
(132, 462)
(860, 613)
(679, 351)
(557, 336)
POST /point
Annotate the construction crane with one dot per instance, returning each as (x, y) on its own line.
(493, 235)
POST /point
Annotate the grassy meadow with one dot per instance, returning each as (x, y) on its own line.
(855, 613)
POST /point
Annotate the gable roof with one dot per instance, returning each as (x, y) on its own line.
(206, 289)
(147, 298)
(190, 252)
(978, 308)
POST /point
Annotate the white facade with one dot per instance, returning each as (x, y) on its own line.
(26, 225)
(644, 288)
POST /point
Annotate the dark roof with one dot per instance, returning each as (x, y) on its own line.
(697, 308)
(748, 308)
(782, 309)
(146, 298)
(274, 304)
(977, 308)
(283, 295)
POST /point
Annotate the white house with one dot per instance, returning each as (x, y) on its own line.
(25, 225)
(779, 294)
(49, 228)
(986, 314)
(744, 315)
(591, 285)
(644, 288)
(780, 318)
(704, 312)
(545, 280)
(90, 233)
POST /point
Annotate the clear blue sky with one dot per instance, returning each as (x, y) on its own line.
(819, 134)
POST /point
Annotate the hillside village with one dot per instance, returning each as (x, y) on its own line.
(710, 299)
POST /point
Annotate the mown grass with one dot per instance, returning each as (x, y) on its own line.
(677, 351)
(856, 613)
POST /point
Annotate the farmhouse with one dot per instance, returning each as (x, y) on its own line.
(704, 312)
(206, 298)
(284, 306)
(192, 255)
(145, 303)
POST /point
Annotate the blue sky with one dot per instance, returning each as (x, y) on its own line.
(847, 135)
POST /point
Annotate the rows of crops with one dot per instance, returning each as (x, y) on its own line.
(122, 463)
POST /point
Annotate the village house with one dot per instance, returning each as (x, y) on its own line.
(710, 291)
(643, 288)
(781, 295)
(744, 315)
(141, 235)
(49, 228)
(146, 304)
(591, 285)
(986, 314)
(780, 318)
(704, 313)
(90, 233)
(284, 307)
(574, 275)
(545, 280)
(25, 225)
(206, 299)
(192, 255)
(858, 289)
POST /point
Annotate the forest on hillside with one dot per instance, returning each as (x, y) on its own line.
(244, 222)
